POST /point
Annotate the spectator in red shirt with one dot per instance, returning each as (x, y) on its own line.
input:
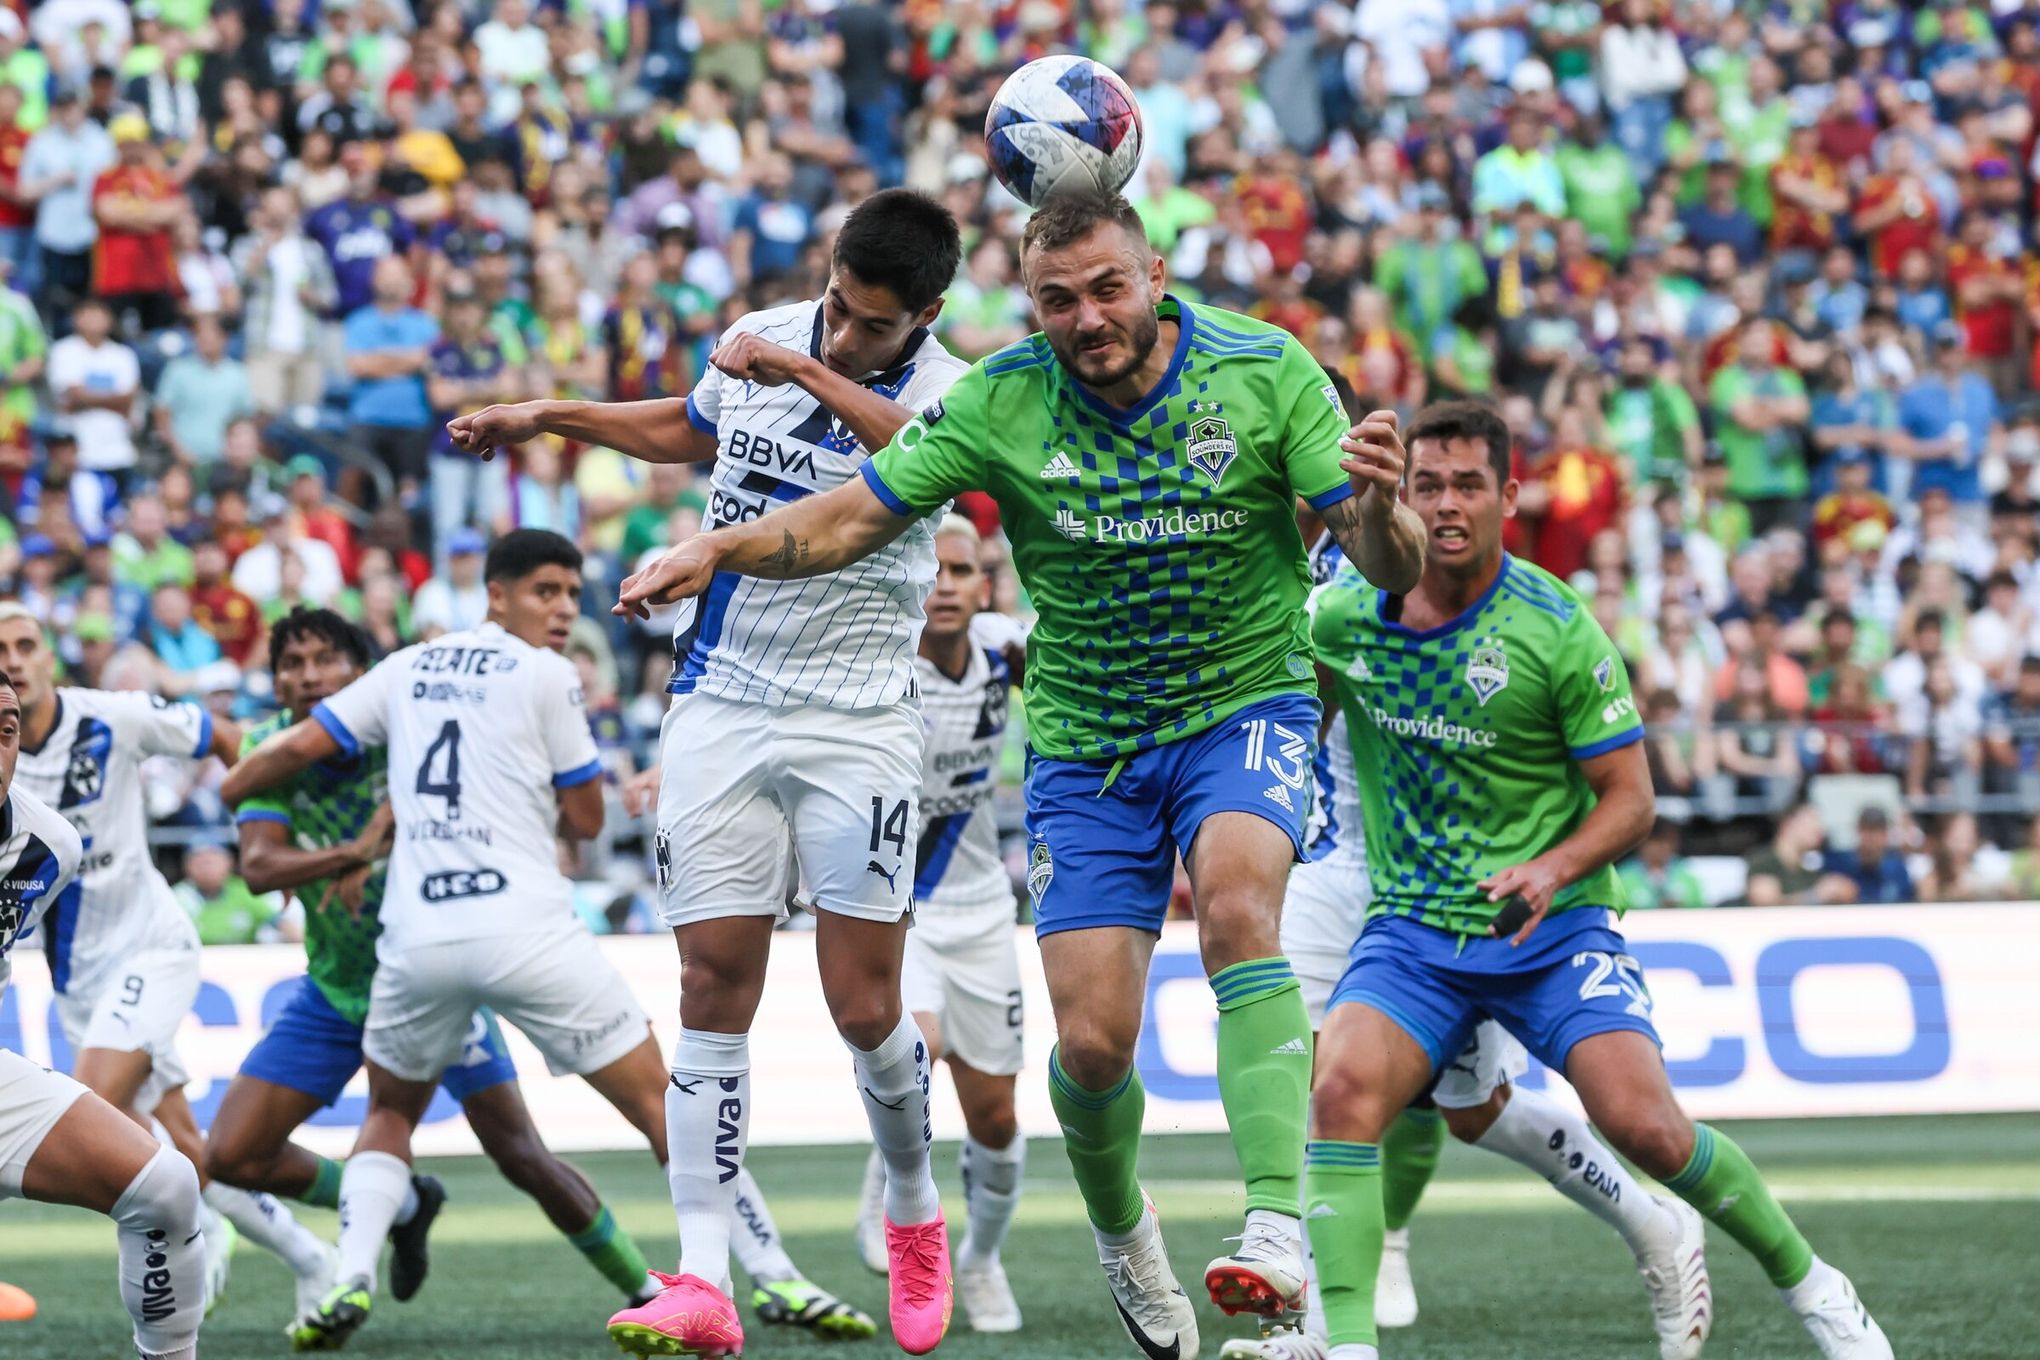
(1896, 213)
(1807, 193)
(220, 609)
(1987, 289)
(1583, 488)
(305, 481)
(1278, 210)
(135, 204)
(16, 217)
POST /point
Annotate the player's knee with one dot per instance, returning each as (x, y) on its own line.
(163, 1195)
(1345, 1105)
(1092, 1055)
(1470, 1125)
(995, 1128)
(1657, 1137)
(866, 1019)
(1239, 922)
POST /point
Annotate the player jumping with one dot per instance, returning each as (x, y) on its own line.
(123, 956)
(1499, 756)
(1145, 454)
(60, 1143)
(794, 737)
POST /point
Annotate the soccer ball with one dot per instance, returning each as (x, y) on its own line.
(1063, 122)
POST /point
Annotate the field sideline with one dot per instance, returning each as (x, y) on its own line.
(1932, 1217)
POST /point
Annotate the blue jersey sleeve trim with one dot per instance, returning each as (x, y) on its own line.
(696, 419)
(205, 731)
(882, 491)
(260, 815)
(573, 779)
(1324, 498)
(1614, 743)
(337, 730)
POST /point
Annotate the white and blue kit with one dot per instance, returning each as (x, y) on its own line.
(482, 728)
(123, 956)
(962, 961)
(793, 744)
(39, 858)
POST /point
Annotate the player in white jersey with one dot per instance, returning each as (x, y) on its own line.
(794, 737)
(961, 972)
(489, 751)
(61, 1144)
(123, 956)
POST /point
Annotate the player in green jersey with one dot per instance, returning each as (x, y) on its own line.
(1146, 455)
(324, 838)
(1500, 762)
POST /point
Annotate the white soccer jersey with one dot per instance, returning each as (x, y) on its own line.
(957, 865)
(846, 639)
(39, 855)
(481, 727)
(89, 770)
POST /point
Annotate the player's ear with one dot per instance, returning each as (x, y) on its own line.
(926, 316)
(1158, 272)
(1510, 489)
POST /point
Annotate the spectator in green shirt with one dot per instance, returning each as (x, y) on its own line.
(144, 554)
(1651, 421)
(1761, 414)
(225, 909)
(1657, 877)
(1601, 189)
(1429, 272)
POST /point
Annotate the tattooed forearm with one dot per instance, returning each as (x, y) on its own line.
(1388, 550)
(783, 561)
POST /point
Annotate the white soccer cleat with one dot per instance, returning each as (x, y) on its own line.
(1681, 1300)
(1281, 1343)
(987, 1297)
(1151, 1303)
(1267, 1275)
(1836, 1319)
(870, 1230)
(1395, 1292)
(316, 1283)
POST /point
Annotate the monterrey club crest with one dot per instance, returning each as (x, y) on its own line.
(1487, 671)
(1212, 447)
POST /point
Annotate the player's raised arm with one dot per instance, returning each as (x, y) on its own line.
(1377, 532)
(278, 760)
(659, 431)
(271, 863)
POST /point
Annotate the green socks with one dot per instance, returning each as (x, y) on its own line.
(609, 1249)
(1722, 1184)
(324, 1191)
(1101, 1133)
(1409, 1158)
(1342, 1189)
(1264, 1049)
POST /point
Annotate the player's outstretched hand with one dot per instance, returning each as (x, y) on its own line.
(750, 359)
(677, 574)
(1535, 882)
(1375, 459)
(494, 427)
(641, 792)
(378, 837)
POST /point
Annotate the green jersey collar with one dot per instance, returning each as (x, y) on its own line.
(1186, 321)
(1452, 625)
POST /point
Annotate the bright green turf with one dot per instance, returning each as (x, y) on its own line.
(1931, 1217)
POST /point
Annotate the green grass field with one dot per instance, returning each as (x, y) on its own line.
(1932, 1217)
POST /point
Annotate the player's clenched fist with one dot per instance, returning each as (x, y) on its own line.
(751, 359)
(677, 574)
(1375, 457)
(494, 427)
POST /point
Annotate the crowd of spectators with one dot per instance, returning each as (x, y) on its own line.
(1755, 287)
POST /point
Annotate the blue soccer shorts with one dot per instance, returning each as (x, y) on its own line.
(311, 1047)
(1572, 979)
(1103, 835)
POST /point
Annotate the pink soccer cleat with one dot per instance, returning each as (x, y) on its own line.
(690, 1317)
(922, 1291)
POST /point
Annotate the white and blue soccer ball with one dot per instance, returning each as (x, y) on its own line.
(1063, 122)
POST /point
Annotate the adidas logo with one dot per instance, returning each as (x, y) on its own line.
(1060, 466)
(1296, 1046)
(1279, 794)
(1322, 1211)
(1728, 1202)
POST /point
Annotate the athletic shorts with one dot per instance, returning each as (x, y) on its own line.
(32, 1100)
(971, 983)
(1574, 978)
(1104, 835)
(1491, 1058)
(311, 1047)
(557, 988)
(1322, 912)
(137, 1007)
(754, 799)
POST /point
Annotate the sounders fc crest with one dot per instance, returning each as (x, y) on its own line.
(1040, 872)
(1487, 671)
(1212, 447)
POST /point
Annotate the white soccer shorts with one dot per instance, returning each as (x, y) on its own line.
(137, 1007)
(1491, 1057)
(557, 989)
(750, 794)
(1323, 909)
(32, 1100)
(971, 984)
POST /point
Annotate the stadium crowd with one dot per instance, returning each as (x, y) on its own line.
(1755, 287)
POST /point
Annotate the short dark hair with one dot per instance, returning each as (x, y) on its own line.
(903, 241)
(1072, 214)
(520, 552)
(304, 623)
(1465, 420)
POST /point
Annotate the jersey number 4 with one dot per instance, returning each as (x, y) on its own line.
(439, 772)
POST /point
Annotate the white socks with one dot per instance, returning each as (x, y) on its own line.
(1538, 1132)
(755, 1237)
(162, 1256)
(991, 1192)
(708, 1111)
(373, 1187)
(894, 1079)
(1313, 1296)
(1353, 1350)
(268, 1224)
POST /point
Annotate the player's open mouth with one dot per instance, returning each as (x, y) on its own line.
(1450, 536)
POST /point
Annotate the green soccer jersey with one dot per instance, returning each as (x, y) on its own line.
(1467, 738)
(1159, 543)
(326, 806)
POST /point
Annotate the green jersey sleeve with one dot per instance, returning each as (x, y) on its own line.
(1596, 710)
(940, 452)
(1311, 432)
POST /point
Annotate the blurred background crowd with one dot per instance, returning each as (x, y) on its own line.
(1754, 284)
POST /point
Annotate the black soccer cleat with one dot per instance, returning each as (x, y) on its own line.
(409, 1257)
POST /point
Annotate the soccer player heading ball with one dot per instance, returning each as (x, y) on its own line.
(1146, 455)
